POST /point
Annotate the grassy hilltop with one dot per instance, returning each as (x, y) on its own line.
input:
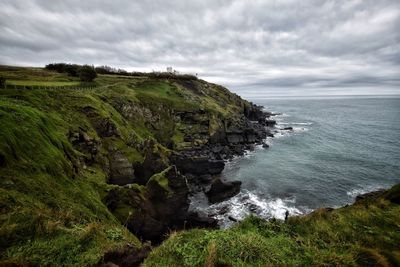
(60, 143)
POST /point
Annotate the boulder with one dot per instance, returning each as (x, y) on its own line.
(198, 219)
(222, 190)
(288, 129)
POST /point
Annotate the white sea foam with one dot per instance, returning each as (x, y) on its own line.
(246, 203)
(363, 189)
(295, 123)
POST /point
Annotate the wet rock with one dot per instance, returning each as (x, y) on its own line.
(200, 219)
(222, 190)
(269, 134)
(121, 171)
(288, 129)
(232, 219)
(223, 210)
(265, 145)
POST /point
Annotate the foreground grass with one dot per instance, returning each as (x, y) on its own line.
(364, 234)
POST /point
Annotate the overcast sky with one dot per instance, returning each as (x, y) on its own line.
(256, 48)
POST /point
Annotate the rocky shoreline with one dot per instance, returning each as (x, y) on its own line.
(156, 209)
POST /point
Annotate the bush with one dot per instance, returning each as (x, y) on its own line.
(2, 82)
(87, 73)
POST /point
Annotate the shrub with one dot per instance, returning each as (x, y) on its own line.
(2, 82)
(87, 73)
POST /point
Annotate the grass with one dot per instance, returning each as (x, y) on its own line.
(41, 83)
(364, 234)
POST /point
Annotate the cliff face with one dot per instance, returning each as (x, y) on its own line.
(80, 166)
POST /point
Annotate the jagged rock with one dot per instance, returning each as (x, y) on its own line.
(152, 210)
(265, 145)
(270, 123)
(199, 219)
(154, 162)
(198, 165)
(121, 171)
(222, 190)
(85, 144)
(269, 134)
(235, 138)
(105, 127)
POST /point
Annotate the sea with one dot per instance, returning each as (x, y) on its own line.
(340, 147)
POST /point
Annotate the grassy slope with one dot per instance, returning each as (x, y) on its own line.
(50, 203)
(364, 234)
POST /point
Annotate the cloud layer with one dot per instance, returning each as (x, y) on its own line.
(254, 47)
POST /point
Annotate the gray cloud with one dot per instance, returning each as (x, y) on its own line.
(254, 47)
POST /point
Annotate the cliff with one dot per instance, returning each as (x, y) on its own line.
(90, 173)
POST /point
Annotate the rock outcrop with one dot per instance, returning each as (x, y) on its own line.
(150, 211)
(222, 190)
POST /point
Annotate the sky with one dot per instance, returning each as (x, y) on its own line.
(256, 48)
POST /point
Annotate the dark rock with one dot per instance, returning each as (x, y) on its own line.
(150, 212)
(288, 129)
(200, 220)
(223, 210)
(222, 190)
(121, 171)
(206, 178)
(105, 127)
(270, 123)
(154, 162)
(235, 138)
(265, 145)
(198, 165)
(89, 146)
(128, 255)
(369, 196)
(269, 134)
(232, 219)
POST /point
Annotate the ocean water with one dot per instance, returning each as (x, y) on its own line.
(340, 147)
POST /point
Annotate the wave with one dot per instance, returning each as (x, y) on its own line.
(247, 203)
(295, 123)
(363, 190)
